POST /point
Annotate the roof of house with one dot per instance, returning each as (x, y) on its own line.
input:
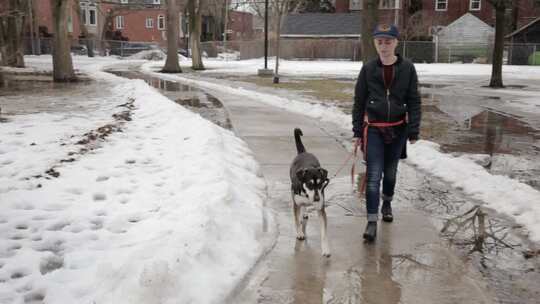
(322, 25)
(521, 29)
(469, 20)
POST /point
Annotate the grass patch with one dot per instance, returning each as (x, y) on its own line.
(324, 90)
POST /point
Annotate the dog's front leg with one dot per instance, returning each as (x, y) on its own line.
(299, 231)
(324, 238)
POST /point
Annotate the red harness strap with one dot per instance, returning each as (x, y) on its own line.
(367, 124)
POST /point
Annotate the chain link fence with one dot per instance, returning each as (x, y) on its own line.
(309, 49)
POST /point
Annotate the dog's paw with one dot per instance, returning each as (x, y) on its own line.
(300, 237)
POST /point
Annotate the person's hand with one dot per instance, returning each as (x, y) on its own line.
(412, 141)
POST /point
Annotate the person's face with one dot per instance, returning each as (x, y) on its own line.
(386, 47)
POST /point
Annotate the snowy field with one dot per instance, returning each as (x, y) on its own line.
(351, 69)
(162, 212)
(170, 208)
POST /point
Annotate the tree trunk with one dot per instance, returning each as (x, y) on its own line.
(84, 31)
(62, 64)
(3, 41)
(369, 21)
(496, 72)
(173, 29)
(107, 24)
(195, 22)
(35, 34)
(13, 33)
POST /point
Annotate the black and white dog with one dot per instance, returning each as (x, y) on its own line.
(308, 181)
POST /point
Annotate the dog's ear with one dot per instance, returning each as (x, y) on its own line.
(301, 174)
(324, 173)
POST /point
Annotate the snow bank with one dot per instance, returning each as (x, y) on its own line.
(167, 211)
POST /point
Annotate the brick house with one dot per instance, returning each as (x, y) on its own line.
(133, 20)
(441, 12)
(43, 15)
(145, 23)
(240, 26)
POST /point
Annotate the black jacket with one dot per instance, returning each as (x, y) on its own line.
(403, 98)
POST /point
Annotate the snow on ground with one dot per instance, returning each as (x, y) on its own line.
(498, 192)
(170, 208)
(350, 69)
(166, 211)
(501, 193)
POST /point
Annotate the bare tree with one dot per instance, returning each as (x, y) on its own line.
(62, 63)
(258, 7)
(115, 9)
(370, 17)
(415, 26)
(216, 9)
(84, 30)
(279, 9)
(3, 40)
(195, 8)
(11, 31)
(173, 28)
(496, 68)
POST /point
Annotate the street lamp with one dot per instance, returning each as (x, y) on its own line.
(266, 34)
(265, 71)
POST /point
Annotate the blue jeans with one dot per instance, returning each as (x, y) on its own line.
(382, 163)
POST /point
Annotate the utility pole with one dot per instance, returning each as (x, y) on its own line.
(265, 72)
(265, 34)
(225, 28)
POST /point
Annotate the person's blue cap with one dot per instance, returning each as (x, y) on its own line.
(386, 31)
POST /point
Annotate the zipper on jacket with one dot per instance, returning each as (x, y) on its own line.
(387, 87)
(388, 102)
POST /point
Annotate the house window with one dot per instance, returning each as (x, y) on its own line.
(161, 22)
(389, 4)
(355, 4)
(88, 14)
(119, 22)
(474, 5)
(83, 15)
(70, 23)
(149, 22)
(92, 20)
(441, 5)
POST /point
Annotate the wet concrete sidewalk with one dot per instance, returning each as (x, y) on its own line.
(409, 263)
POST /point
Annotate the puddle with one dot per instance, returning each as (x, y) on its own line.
(21, 97)
(508, 145)
(510, 86)
(206, 105)
(433, 85)
(35, 84)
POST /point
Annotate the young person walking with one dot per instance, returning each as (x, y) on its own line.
(386, 112)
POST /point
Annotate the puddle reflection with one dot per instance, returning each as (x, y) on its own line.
(460, 126)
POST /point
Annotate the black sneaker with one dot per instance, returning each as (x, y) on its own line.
(371, 231)
(386, 211)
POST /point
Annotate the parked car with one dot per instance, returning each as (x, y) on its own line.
(79, 50)
(187, 53)
(122, 48)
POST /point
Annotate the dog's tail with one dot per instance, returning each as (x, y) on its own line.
(299, 146)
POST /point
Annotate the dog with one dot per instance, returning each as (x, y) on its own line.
(308, 181)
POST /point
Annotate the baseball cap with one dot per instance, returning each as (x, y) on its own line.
(386, 31)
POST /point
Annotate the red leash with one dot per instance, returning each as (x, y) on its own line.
(363, 146)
